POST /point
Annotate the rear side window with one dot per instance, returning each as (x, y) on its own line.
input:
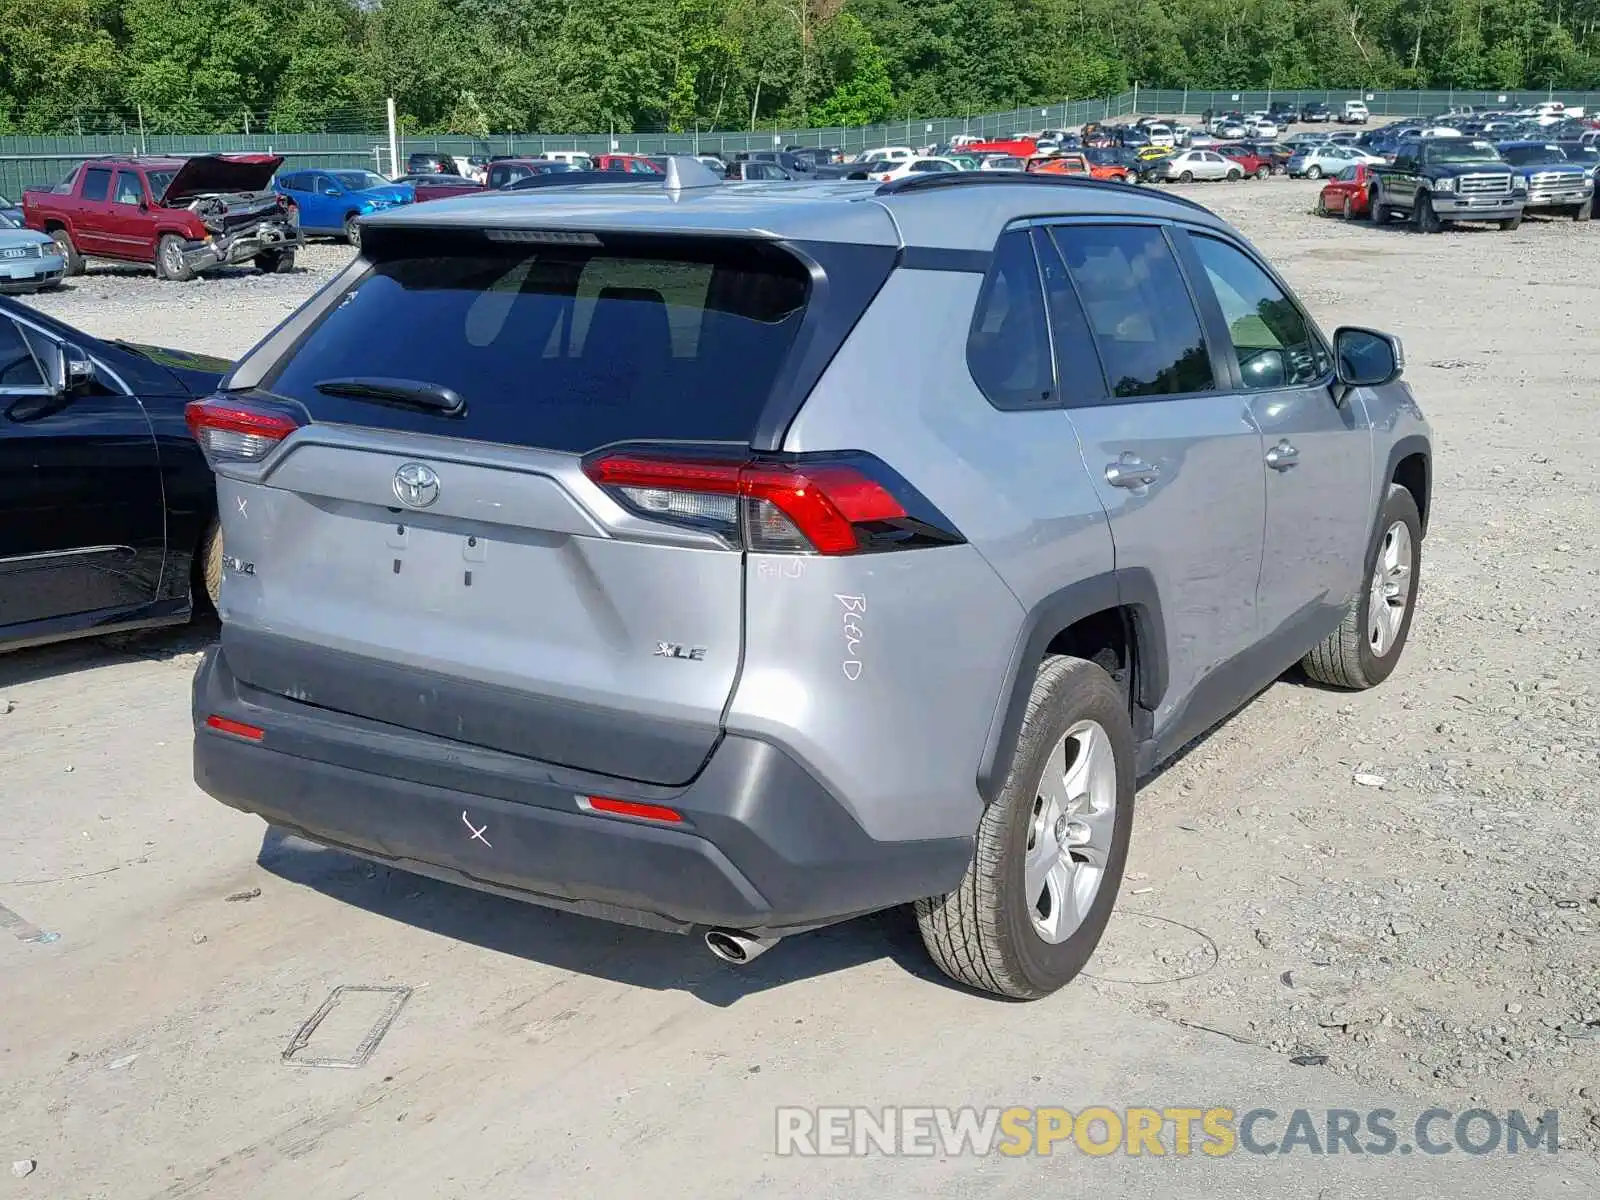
(96, 183)
(1139, 309)
(563, 347)
(1008, 347)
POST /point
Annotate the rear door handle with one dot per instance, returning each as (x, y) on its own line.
(1282, 456)
(1129, 472)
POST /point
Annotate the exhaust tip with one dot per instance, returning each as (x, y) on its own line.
(732, 946)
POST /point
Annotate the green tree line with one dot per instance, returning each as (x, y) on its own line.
(491, 66)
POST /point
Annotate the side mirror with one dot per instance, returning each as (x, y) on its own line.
(69, 368)
(1265, 369)
(1366, 358)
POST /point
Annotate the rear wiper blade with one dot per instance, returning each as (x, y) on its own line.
(412, 393)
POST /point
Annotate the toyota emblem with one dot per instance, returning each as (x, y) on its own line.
(416, 485)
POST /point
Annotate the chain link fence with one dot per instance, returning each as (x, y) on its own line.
(41, 161)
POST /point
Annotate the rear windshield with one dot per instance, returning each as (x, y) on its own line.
(563, 347)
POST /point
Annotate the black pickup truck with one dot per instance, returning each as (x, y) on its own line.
(1436, 180)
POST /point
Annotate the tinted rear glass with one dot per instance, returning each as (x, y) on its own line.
(566, 348)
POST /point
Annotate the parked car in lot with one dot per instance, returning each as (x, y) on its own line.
(1315, 112)
(748, 171)
(625, 164)
(1354, 112)
(439, 187)
(332, 202)
(30, 261)
(580, 159)
(10, 211)
(1002, 162)
(1282, 113)
(1555, 183)
(1079, 164)
(913, 166)
(739, 513)
(889, 154)
(1346, 193)
(107, 506)
(182, 216)
(503, 172)
(798, 166)
(1189, 165)
(1258, 165)
(427, 162)
(1326, 158)
(1447, 179)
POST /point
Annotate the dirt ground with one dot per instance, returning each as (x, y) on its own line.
(1405, 881)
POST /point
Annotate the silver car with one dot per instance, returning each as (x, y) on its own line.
(578, 552)
(1189, 165)
(29, 261)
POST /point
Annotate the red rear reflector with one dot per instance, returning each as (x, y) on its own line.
(237, 728)
(628, 808)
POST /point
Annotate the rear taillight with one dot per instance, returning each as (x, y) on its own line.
(846, 504)
(231, 432)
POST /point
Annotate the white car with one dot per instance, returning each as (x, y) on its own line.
(1002, 162)
(964, 139)
(1354, 113)
(914, 166)
(577, 158)
(1440, 131)
(886, 154)
(1189, 165)
(1161, 135)
(1261, 127)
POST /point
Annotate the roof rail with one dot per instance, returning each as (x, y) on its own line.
(684, 173)
(933, 181)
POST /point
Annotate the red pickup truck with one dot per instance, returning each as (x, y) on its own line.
(182, 216)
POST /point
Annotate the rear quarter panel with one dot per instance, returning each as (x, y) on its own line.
(899, 736)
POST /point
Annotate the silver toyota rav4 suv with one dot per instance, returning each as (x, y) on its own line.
(741, 558)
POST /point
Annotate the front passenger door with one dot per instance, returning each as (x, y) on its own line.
(1318, 454)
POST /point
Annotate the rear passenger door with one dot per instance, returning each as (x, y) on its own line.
(1318, 454)
(1175, 457)
(94, 214)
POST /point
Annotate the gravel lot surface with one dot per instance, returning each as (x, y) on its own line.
(1406, 881)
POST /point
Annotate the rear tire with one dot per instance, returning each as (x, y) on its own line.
(1377, 211)
(1352, 656)
(69, 252)
(1186, 177)
(1234, 175)
(1349, 209)
(209, 563)
(990, 933)
(169, 260)
(1313, 172)
(1263, 172)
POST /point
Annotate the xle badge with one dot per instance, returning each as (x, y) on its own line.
(674, 650)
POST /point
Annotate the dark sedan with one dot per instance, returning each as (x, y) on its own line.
(108, 512)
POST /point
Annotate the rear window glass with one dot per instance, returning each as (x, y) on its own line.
(561, 347)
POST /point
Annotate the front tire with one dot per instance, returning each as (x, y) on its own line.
(1366, 647)
(1584, 211)
(170, 264)
(69, 252)
(1511, 224)
(1349, 209)
(1263, 172)
(352, 231)
(1427, 219)
(274, 262)
(1377, 211)
(1050, 851)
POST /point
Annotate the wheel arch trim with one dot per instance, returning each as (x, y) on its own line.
(1131, 589)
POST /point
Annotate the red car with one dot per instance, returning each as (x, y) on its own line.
(1346, 193)
(627, 164)
(181, 215)
(1259, 165)
(440, 187)
(1022, 147)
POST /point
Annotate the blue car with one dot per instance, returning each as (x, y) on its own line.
(1557, 182)
(332, 202)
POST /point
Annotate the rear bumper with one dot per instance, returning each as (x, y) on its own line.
(762, 845)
